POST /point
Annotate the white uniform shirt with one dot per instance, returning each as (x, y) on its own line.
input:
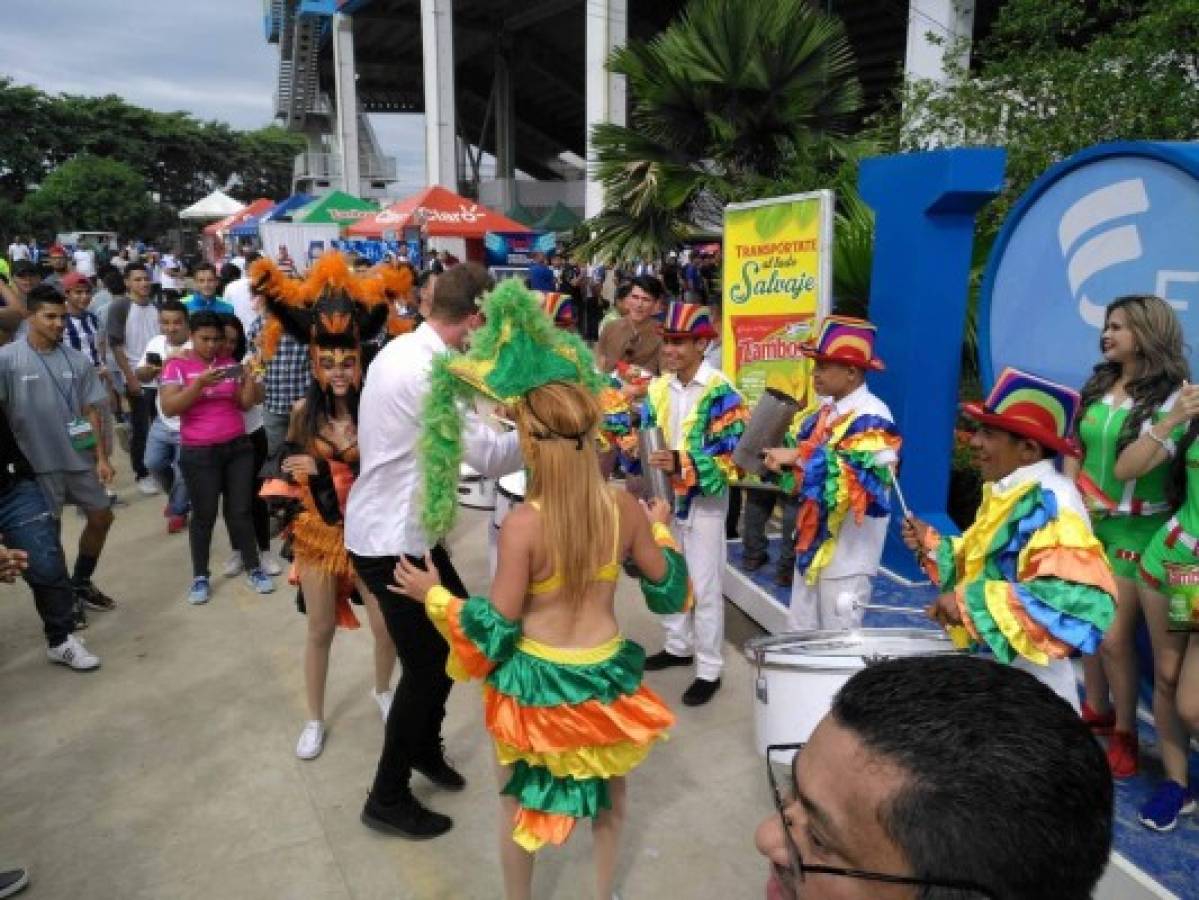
(1047, 475)
(383, 510)
(859, 547)
(683, 399)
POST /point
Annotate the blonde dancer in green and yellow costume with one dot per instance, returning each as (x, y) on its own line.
(1132, 390)
(563, 698)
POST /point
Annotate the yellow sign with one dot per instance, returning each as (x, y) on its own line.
(777, 282)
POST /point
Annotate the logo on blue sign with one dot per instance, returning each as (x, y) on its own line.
(1113, 220)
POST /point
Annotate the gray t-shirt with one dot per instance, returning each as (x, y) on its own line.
(41, 393)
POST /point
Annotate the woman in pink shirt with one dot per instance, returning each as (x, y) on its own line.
(209, 391)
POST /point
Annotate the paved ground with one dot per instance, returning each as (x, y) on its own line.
(170, 772)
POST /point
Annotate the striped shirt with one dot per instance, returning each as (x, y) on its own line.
(83, 333)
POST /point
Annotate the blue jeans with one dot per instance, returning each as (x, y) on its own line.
(162, 459)
(27, 523)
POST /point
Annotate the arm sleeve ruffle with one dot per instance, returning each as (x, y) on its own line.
(706, 465)
(479, 637)
(672, 593)
(1044, 590)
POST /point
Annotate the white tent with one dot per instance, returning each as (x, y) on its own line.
(216, 205)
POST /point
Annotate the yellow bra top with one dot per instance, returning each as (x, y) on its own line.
(608, 572)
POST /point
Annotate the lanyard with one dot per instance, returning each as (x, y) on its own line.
(66, 398)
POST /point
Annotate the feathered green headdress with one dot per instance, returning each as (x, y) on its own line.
(519, 349)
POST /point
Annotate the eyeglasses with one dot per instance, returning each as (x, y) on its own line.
(801, 870)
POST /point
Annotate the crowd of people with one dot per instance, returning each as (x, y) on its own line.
(333, 410)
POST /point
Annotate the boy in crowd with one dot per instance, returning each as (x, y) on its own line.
(205, 298)
(162, 443)
(851, 441)
(1028, 580)
(702, 418)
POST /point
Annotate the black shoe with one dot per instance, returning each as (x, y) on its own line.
(700, 692)
(407, 819)
(13, 881)
(93, 597)
(753, 563)
(664, 660)
(441, 773)
(784, 577)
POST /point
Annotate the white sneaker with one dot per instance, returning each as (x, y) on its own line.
(312, 740)
(233, 566)
(147, 486)
(72, 653)
(384, 700)
(270, 563)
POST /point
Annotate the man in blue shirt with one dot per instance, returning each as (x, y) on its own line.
(541, 276)
(205, 298)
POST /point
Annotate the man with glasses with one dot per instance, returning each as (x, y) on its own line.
(940, 777)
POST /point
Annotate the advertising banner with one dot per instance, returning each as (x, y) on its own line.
(777, 282)
(516, 249)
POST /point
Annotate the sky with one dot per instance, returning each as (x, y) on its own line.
(206, 57)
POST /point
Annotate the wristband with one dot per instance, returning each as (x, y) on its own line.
(1165, 443)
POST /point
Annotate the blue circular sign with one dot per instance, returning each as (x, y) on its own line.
(1115, 219)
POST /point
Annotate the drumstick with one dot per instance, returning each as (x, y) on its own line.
(903, 503)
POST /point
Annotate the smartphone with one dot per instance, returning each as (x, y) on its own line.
(233, 372)
(154, 359)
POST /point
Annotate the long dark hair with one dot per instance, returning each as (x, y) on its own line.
(1164, 367)
(319, 404)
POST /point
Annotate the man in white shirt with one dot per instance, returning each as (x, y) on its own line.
(18, 249)
(382, 523)
(132, 322)
(161, 458)
(240, 294)
(85, 261)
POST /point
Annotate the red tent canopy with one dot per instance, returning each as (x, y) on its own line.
(446, 215)
(261, 205)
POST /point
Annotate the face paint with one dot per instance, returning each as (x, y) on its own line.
(336, 368)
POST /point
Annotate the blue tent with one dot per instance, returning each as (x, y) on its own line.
(249, 228)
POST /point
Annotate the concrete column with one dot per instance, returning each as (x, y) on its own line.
(346, 101)
(950, 24)
(607, 29)
(505, 130)
(441, 127)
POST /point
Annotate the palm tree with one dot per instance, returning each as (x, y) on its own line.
(730, 99)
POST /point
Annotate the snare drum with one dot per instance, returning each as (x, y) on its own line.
(798, 674)
(510, 494)
(474, 490)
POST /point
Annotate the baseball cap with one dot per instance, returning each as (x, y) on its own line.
(73, 280)
(57, 250)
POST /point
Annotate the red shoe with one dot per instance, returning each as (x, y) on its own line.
(176, 524)
(1099, 723)
(1122, 754)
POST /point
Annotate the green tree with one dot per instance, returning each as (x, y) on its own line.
(93, 193)
(264, 161)
(730, 101)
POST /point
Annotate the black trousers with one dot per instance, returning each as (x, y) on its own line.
(212, 473)
(259, 512)
(141, 413)
(413, 733)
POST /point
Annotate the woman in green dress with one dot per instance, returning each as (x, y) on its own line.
(1132, 390)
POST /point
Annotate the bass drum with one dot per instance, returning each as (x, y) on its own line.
(797, 675)
(474, 490)
(509, 494)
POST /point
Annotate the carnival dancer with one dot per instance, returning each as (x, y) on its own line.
(383, 524)
(1131, 390)
(563, 696)
(843, 466)
(1169, 586)
(702, 417)
(332, 311)
(1028, 580)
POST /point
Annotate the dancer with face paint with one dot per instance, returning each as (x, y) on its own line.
(333, 311)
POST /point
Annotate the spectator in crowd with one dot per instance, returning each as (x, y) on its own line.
(18, 249)
(132, 323)
(239, 293)
(238, 347)
(54, 402)
(288, 374)
(170, 276)
(206, 297)
(85, 334)
(85, 261)
(635, 339)
(670, 276)
(34, 551)
(102, 294)
(25, 277)
(119, 261)
(59, 265)
(283, 260)
(541, 276)
(425, 283)
(209, 390)
(921, 762)
(162, 442)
